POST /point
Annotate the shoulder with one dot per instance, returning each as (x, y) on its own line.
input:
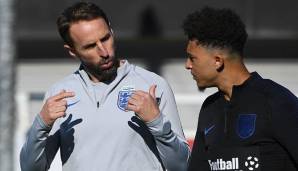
(274, 91)
(67, 83)
(210, 100)
(279, 98)
(149, 77)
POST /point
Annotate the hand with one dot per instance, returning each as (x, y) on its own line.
(144, 104)
(55, 107)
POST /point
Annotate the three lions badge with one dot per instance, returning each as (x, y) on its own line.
(123, 96)
(246, 125)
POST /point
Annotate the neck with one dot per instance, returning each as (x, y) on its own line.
(237, 75)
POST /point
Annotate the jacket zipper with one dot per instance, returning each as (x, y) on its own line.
(227, 109)
(226, 124)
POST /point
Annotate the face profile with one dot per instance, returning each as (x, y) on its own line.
(201, 64)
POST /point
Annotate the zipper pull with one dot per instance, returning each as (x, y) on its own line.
(97, 104)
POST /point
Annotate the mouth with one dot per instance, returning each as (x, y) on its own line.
(107, 65)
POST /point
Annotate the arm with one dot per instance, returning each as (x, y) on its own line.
(41, 145)
(165, 126)
(40, 148)
(285, 123)
(173, 149)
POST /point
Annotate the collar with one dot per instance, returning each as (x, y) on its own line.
(254, 76)
(251, 81)
(122, 71)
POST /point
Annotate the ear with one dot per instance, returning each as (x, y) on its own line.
(219, 62)
(71, 51)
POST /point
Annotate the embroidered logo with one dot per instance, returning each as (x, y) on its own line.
(246, 125)
(207, 130)
(71, 104)
(123, 96)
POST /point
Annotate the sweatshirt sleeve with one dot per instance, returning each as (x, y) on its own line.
(284, 110)
(41, 145)
(167, 131)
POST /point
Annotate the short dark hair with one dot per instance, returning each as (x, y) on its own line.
(77, 12)
(216, 28)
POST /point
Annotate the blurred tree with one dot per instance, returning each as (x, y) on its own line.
(7, 83)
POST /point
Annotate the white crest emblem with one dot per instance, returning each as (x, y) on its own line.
(123, 96)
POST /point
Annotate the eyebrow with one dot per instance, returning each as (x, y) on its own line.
(89, 45)
(106, 37)
(189, 54)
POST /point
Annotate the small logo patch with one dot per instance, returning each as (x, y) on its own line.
(252, 163)
(246, 125)
(123, 96)
(71, 104)
(207, 130)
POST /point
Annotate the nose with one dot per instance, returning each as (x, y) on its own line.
(188, 64)
(102, 49)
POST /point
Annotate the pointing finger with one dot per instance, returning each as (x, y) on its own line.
(63, 95)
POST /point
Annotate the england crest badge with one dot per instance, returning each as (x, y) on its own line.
(246, 125)
(123, 96)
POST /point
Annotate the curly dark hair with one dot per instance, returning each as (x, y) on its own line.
(216, 28)
(77, 12)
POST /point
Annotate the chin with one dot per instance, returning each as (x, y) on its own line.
(201, 88)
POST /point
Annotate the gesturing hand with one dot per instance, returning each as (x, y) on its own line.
(55, 107)
(144, 104)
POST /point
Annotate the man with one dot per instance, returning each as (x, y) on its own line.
(251, 123)
(87, 114)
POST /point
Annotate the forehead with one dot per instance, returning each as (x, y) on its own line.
(194, 47)
(83, 30)
(192, 44)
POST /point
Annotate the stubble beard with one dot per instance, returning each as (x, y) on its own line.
(107, 75)
(201, 89)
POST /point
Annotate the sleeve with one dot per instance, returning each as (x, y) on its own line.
(41, 146)
(167, 131)
(285, 123)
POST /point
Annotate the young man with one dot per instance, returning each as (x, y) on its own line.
(251, 123)
(87, 114)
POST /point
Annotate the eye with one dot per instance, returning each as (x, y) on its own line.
(90, 46)
(105, 38)
(190, 57)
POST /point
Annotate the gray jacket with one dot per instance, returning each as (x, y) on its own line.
(97, 132)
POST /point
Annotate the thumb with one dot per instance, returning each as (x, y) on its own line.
(152, 91)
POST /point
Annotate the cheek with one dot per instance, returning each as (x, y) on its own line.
(111, 50)
(108, 45)
(91, 58)
(197, 68)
